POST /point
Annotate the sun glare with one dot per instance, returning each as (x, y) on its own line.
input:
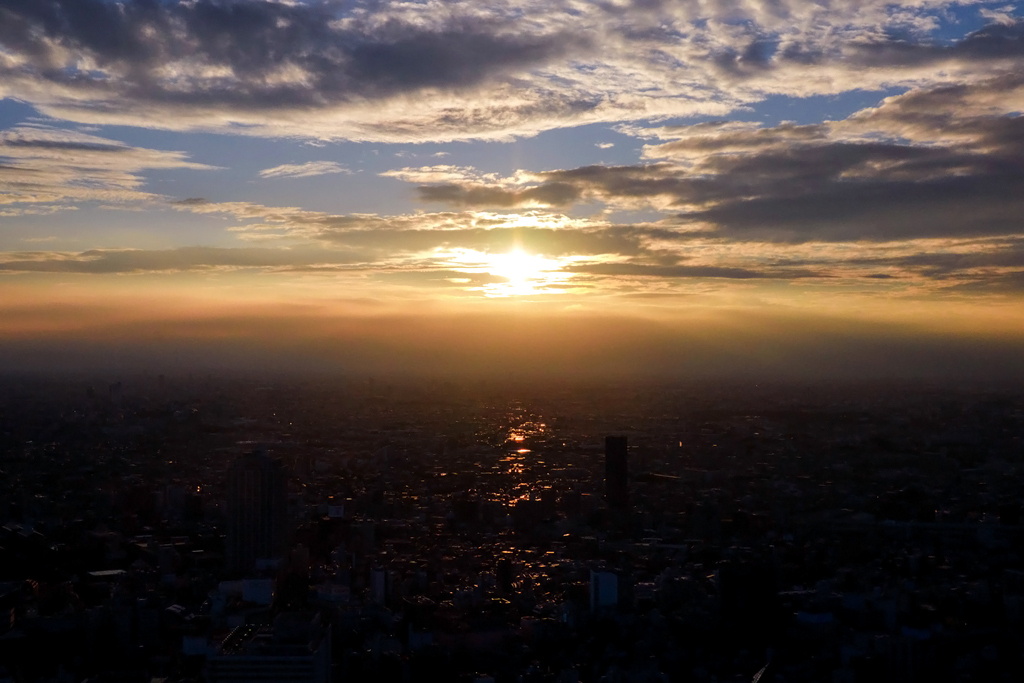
(522, 273)
(518, 267)
(526, 274)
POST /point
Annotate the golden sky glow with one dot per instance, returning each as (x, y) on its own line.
(754, 182)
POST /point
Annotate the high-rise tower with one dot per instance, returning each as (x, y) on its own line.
(616, 472)
(257, 511)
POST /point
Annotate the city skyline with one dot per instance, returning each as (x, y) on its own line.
(462, 530)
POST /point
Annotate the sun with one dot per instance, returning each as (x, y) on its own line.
(518, 266)
(520, 273)
(526, 274)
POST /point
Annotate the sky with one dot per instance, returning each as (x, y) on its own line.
(627, 187)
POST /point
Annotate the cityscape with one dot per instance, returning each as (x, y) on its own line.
(511, 341)
(233, 528)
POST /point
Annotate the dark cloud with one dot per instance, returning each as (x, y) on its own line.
(753, 58)
(690, 271)
(880, 211)
(723, 136)
(993, 261)
(63, 146)
(938, 162)
(565, 187)
(1011, 283)
(389, 70)
(548, 194)
(456, 57)
(110, 261)
(993, 42)
(251, 41)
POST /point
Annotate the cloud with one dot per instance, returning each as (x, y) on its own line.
(998, 42)
(461, 252)
(914, 201)
(924, 190)
(548, 194)
(258, 65)
(45, 167)
(539, 232)
(939, 161)
(395, 71)
(688, 271)
(615, 255)
(306, 170)
(1002, 15)
(185, 259)
(438, 174)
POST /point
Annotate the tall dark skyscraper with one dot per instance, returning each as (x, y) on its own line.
(257, 511)
(616, 472)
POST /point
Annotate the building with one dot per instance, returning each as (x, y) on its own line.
(296, 649)
(604, 591)
(616, 472)
(257, 511)
(379, 585)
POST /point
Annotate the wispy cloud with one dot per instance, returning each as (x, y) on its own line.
(1002, 15)
(306, 170)
(43, 168)
(637, 257)
(186, 259)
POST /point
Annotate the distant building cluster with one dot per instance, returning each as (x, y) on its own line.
(232, 530)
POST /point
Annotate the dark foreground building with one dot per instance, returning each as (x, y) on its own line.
(616, 472)
(296, 649)
(257, 511)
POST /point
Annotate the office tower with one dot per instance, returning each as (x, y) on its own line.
(604, 591)
(505, 575)
(257, 511)
(378, 585)
(616, 473)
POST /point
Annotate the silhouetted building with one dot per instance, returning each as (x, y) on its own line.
(604, 591)
(505, 575)
(616, 472)
(296, 649)
(379, 585)
(257, 511)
